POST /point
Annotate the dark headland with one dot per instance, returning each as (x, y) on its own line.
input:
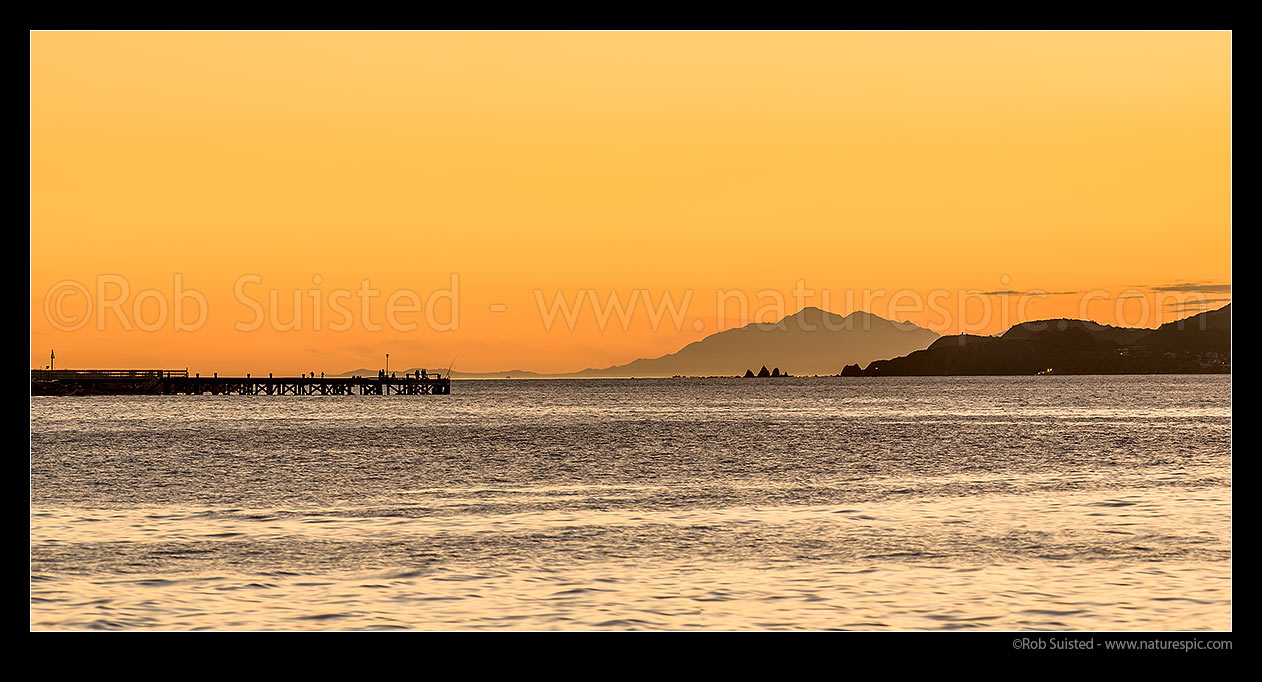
(1200, 344)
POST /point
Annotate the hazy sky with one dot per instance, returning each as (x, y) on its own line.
(673, 164)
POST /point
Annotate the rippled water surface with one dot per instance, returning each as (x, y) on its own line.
(887, 503)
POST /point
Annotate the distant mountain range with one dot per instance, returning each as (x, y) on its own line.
(1197, 344)
(815, 341)
(811, 341)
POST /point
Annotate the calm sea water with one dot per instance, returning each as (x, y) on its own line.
(887, 503)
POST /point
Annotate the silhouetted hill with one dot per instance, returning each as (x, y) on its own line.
(1102, 332)
(812, 341)
(1198, 344)
(1208, 332)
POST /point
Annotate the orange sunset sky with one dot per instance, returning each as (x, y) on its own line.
(677, 164)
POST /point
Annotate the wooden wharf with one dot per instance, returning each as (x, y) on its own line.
(180, 382)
